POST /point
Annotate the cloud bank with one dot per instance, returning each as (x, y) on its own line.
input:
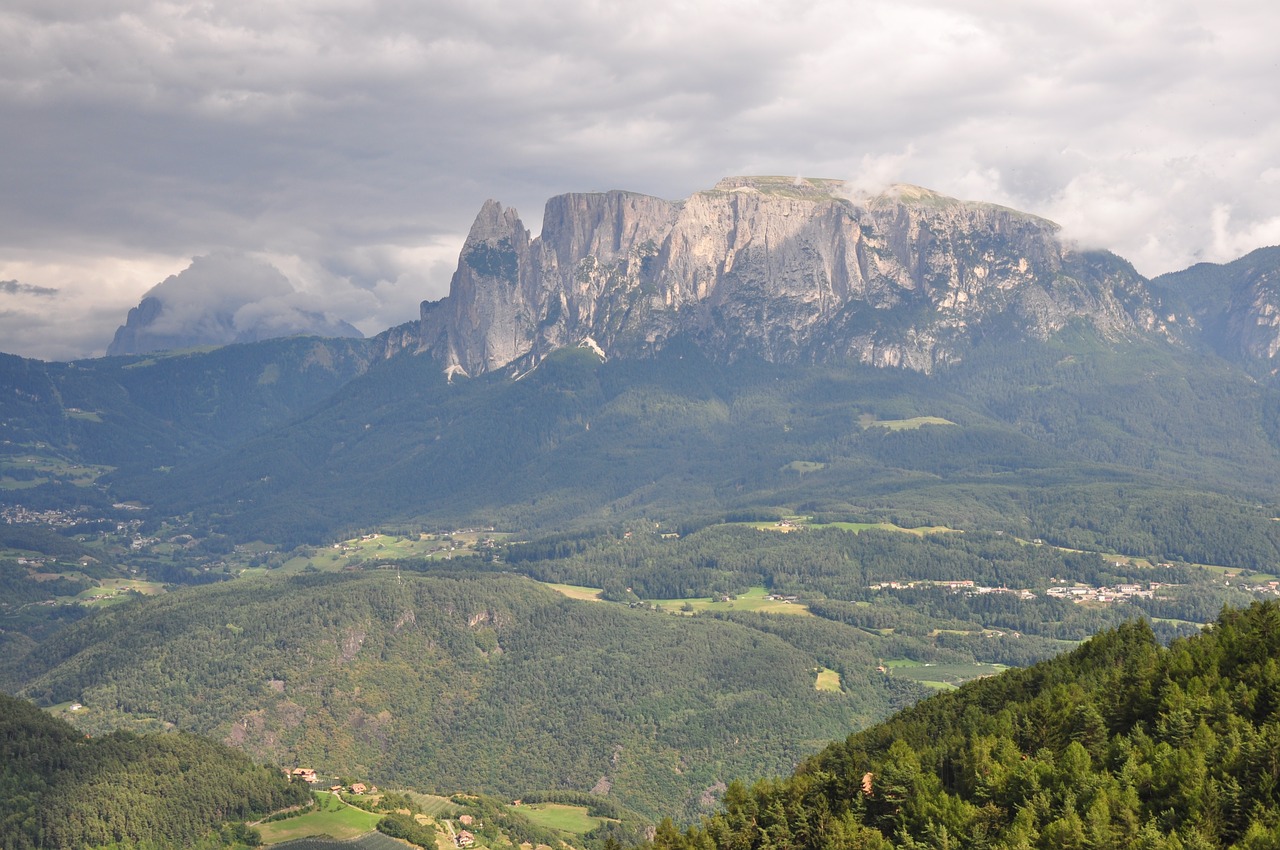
(221, 299)
(350, 142)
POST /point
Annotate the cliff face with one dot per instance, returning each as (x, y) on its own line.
(788, 270)
(1234, 308)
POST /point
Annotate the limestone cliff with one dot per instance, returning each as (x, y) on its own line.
(784, 269)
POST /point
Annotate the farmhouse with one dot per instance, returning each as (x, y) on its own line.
(359, 788)
(303, 774)
(464, 839)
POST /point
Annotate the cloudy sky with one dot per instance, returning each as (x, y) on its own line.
(351, 142)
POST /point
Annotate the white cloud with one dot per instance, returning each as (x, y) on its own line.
(351, 141)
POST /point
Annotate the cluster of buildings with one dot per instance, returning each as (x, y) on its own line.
(1119, 593)
(22, 515)
(967, 586)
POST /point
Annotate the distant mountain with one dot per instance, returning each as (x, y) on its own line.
(221, 299)
(1235, 307)
(680, 358)
(788, 270)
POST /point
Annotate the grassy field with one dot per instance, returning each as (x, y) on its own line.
(869, 421)
(1242, 575)
(828, 680)
(376, 547)
(432, 806)
(558, 816)
(335, 819)
(753, 600)
(115, 590)
(803, 466)
(573, 591)
(885, 526)
(941, 676)
(48, 469)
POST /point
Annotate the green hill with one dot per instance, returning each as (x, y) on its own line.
(1121, 743)
(59, 788)
(485, 681)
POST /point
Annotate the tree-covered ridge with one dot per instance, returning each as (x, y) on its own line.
(1121, 743)
(59, 788)
(456, 682)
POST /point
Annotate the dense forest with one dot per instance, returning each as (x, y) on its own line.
(1120, 743)
(466, 681)
(61, 788)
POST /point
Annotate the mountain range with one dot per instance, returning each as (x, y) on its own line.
(859, 404)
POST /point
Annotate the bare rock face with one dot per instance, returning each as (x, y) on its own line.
(787, 270)
(1234, 308)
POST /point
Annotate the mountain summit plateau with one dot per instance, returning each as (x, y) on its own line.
(785, 269)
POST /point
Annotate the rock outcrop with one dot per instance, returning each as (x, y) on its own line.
(783, 269)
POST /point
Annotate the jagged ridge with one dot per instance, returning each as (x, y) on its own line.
(785, 269)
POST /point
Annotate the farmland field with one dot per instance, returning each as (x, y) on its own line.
(828, 680)
(375, 547)
(753, 600)
(869, 421)
(558, 816)
(372, 841)
(885, 526)
(334, 819)
(573, 591)
(941, 676)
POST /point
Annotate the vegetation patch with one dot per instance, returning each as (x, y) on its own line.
(333, 818)
(574, 591)
(756, 600)
(868, 420)
(941, 675)
(828, 680)
(856, 527)
(373, 548)
(561, 817)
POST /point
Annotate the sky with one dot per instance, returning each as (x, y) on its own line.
(350, 143)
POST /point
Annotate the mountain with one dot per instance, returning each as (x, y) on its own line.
(789, 270)
(221, 299)
(1235, 306)
(1120, 743)
(679, 359)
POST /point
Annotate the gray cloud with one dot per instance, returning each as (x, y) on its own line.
(351, 142)
(12, 287)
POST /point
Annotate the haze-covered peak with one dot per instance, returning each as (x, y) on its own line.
(221, 299)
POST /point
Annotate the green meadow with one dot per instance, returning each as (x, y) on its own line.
(561, 817)
(334, 818)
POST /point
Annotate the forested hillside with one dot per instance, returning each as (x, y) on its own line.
(462, 682)
(1121, 743)
(1084, 443)
(60, 788)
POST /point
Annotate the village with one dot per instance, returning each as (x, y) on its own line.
(1073, 592)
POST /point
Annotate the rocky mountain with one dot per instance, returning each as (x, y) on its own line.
(789, 270)
(1235, 307)
(219, 300)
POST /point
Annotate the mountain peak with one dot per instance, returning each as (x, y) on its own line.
(788, 269)
(221, 299)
